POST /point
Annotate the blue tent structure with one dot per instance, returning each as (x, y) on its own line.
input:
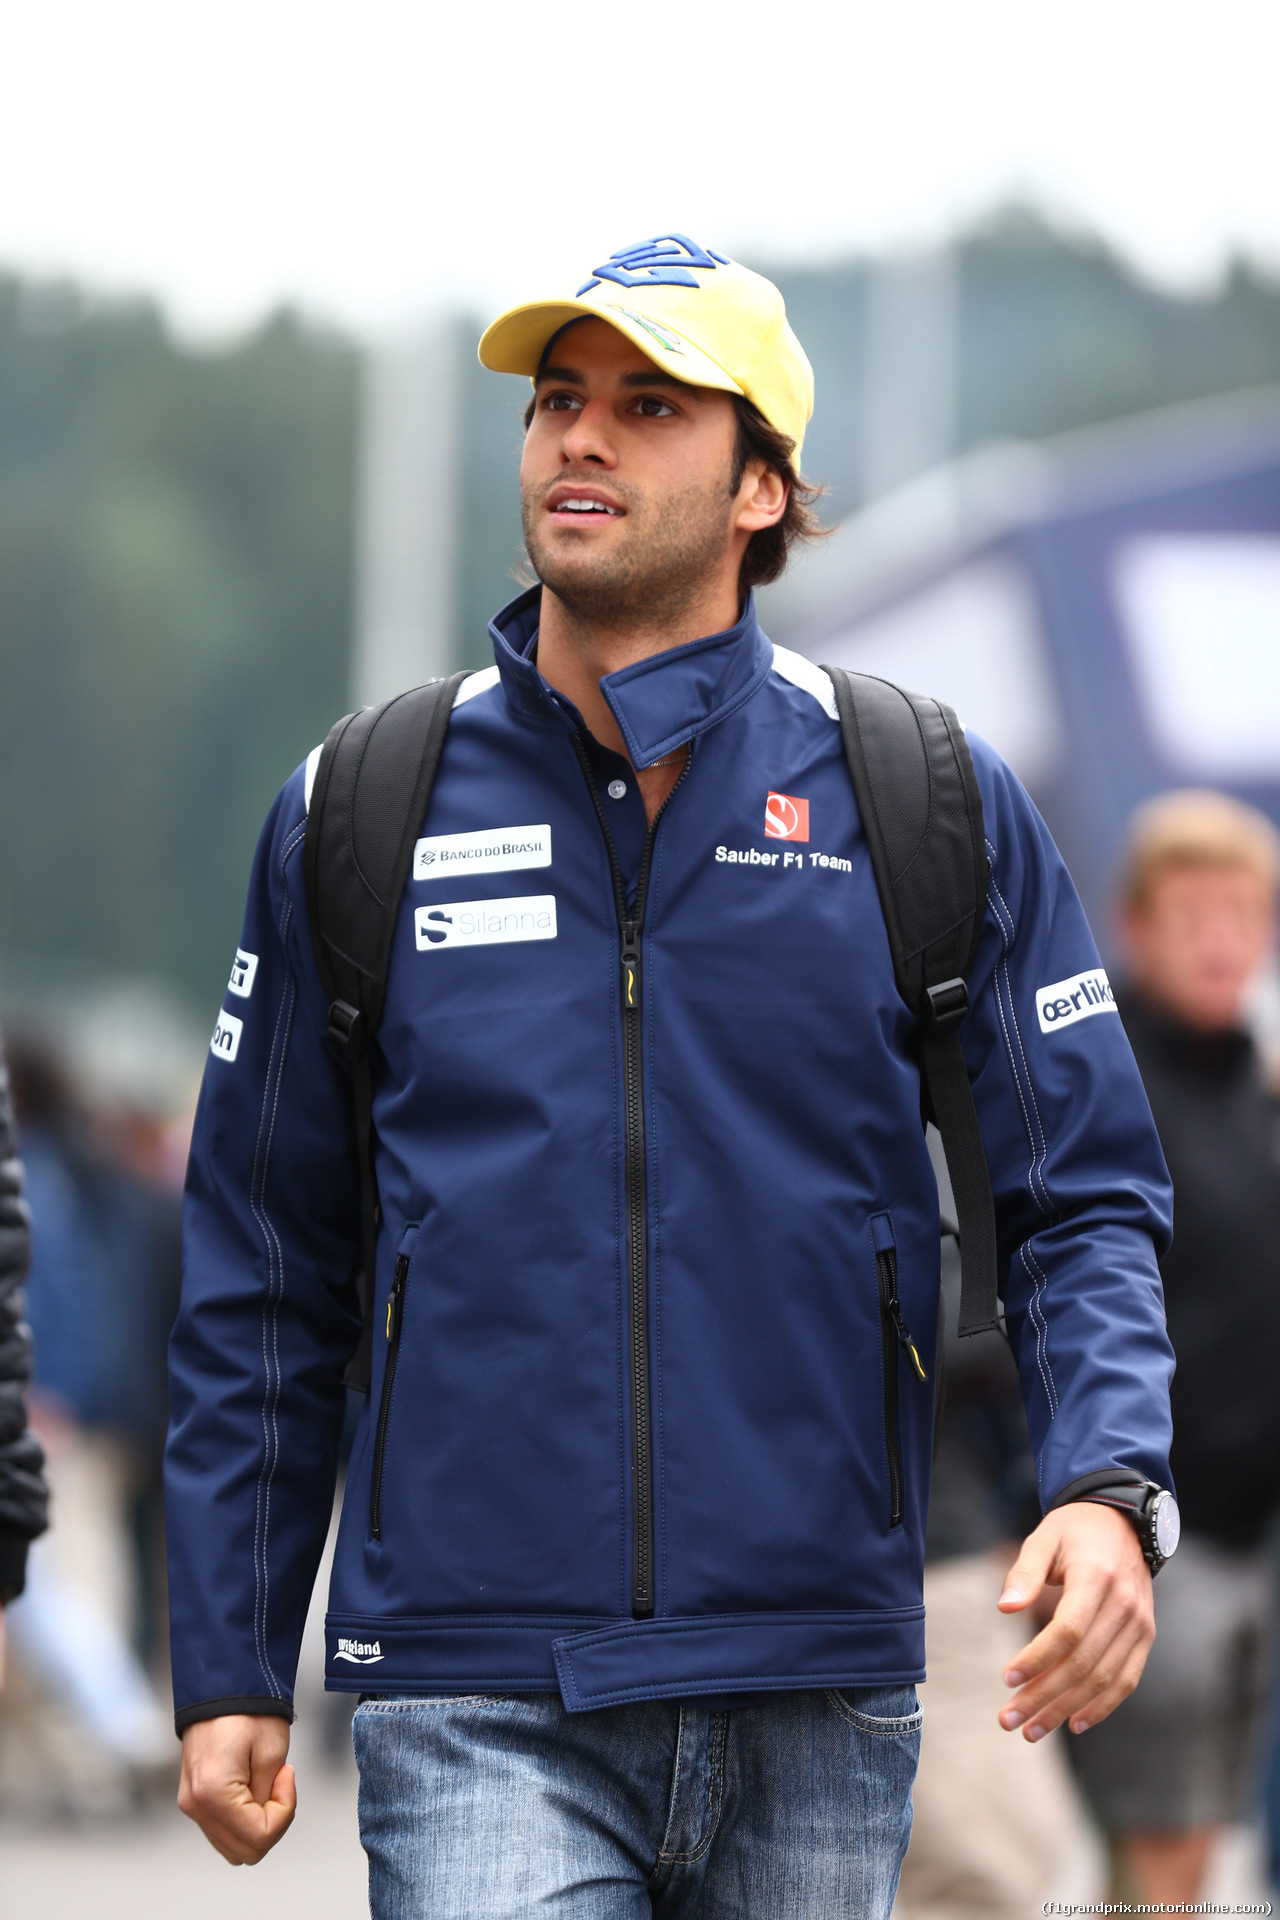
(1104, 607)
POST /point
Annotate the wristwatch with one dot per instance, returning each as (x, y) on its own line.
(1152, 1510)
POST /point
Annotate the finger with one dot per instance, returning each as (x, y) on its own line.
(283, 1803)
(1029, 1571)
(232, 1852)
(1119, 1620)
(1074, 1703)
(1122, 1686)
(1090, 1671)
(266, 1758)
(233, 1822)
(1081, 1603)
(257, 1828)
(1083, 1647)
(224, 1840)
(244, 1839)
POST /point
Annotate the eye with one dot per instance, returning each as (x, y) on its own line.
(650, 407)
(561, 403)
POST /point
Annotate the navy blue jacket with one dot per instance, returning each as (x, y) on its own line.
(780, 1474)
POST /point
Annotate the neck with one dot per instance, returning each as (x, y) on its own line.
(576, 651)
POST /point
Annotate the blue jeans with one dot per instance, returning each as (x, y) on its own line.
(493, 1807)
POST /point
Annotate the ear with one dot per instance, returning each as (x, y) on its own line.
(762, 498)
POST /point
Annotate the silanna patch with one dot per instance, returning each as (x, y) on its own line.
(1076, 999)
(485, 923)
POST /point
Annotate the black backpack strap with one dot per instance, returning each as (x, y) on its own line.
(371, 789)
(922, 814)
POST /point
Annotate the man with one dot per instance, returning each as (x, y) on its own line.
(1198, 904)
(24, 1497)
(106, 1251)
(629, 1564)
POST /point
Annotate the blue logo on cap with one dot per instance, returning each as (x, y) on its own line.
(663, 261)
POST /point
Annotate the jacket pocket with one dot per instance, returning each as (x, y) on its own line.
(895, 1340)
(394, 1322)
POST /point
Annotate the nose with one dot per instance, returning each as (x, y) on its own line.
(587, 440)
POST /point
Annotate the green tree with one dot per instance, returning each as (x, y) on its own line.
(175, 590)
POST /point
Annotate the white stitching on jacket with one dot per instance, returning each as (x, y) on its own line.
(272, 1295)
(259, 1515)
(1030, 1262)
(1034, 1271)
(275, 1319)
(1040, 1160)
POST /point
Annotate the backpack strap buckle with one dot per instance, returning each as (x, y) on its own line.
(948, 1004)
(344, 1025)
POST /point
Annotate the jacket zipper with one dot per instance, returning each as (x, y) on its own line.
(894, 1333)
(630, 928)
(395, 1316)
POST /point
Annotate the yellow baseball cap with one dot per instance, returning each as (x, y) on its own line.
(698, 316)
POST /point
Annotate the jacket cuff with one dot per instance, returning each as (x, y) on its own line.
(1094, 1482)
(236, 1703)
(13, 1564)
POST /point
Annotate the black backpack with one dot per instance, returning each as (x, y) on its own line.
(922, 814)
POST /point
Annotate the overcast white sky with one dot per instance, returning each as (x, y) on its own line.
(376, 161)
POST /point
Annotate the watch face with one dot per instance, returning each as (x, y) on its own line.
(1168, 1525)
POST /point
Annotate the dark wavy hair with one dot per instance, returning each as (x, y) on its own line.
(769, 550)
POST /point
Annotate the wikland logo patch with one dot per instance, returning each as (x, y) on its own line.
(226, 1037)
(361, 1653)
(1067, 1001)
(785, 817)
(485, 923)
(243, 973)
(493, 850)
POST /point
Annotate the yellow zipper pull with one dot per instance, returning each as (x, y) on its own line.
(905, 1341)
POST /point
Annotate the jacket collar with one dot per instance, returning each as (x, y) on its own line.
(659, 703)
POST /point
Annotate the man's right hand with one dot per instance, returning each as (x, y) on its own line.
(236, 1785)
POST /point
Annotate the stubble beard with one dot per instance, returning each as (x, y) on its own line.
(657, 574)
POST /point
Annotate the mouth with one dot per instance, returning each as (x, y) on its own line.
(575, 506)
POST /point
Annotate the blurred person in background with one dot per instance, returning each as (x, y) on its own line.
(24, 1499)
(1175, 1764)
(101, 1291)
(993, 1817)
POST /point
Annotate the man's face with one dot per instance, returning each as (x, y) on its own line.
(1199, 940)
(625, 480)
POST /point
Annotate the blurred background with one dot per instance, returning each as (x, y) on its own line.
(251, 475)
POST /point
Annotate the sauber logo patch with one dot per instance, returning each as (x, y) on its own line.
(485, 923)
(226, 1036)
(1074, 999)
(785, 817)
(361, 1653)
